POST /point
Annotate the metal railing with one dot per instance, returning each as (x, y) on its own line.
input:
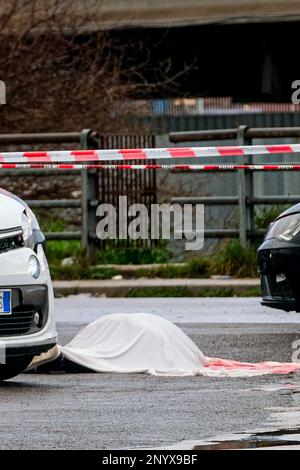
(85, 139)
(245, 199)
(95, 186)
(204, 106)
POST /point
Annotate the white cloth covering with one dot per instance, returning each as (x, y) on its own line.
(146, 343)
(137, 342)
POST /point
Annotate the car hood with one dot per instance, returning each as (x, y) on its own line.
(291, 210)
(11, 210)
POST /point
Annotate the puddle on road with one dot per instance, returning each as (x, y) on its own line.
(282, 437)
(260, 439)
(281, 431)
(284, 423)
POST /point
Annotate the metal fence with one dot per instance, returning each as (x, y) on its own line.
(85, 139)
(141, 186)
(96, 186)
(204, 106)
(245, 200)
(163, 124)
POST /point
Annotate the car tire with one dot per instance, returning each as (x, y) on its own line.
(14, 366)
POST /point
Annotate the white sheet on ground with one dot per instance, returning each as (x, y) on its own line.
(146, 343)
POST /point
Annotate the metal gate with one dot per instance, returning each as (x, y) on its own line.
(138, 186)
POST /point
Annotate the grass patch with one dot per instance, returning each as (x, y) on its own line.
(186, 292)
(250, 292)
(51, 223)
(235, 260)
(77, 271)
(133, 255)
(57, 250)
(196, 268)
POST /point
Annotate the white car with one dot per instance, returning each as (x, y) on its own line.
(27, 325)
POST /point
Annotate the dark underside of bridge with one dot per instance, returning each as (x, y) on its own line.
(250, 62)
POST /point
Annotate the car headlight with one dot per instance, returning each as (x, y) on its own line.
(32, 234)
(27, 231)
(285, 229)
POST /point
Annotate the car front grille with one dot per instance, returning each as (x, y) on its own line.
(26, 302)
(280, 274)
(10, 243)
(19, 322)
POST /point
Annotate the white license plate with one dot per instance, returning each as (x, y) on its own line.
(5, 302)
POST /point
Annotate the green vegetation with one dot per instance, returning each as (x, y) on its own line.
(264, 216)
(195, 268)
(78, 271)
(133, 255)
(186, 292)
(57, 250)
(67, 261)
(235, 260)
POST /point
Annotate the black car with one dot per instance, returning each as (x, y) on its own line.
(279, 262)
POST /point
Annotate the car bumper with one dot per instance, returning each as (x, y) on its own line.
(280, 276)
(29, 295)
(286, 305)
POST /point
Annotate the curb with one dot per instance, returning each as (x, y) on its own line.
(127, 287)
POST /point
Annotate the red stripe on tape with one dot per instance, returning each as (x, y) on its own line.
(230, 151)
(82, 155)
(181, 152)
(211, 167)
(84, 158)
(82, 152)
(35, 154)
(9, 165)
(279, 148)
(131, 154)
(42, 157)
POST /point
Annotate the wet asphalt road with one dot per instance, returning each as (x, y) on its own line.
(106, 411)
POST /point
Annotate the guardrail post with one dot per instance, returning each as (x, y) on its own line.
(245, 190)
(89, 188)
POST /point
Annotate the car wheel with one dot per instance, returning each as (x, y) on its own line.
(14, 366)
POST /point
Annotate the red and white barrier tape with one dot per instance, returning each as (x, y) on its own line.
(229, 167)
(79, 156)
